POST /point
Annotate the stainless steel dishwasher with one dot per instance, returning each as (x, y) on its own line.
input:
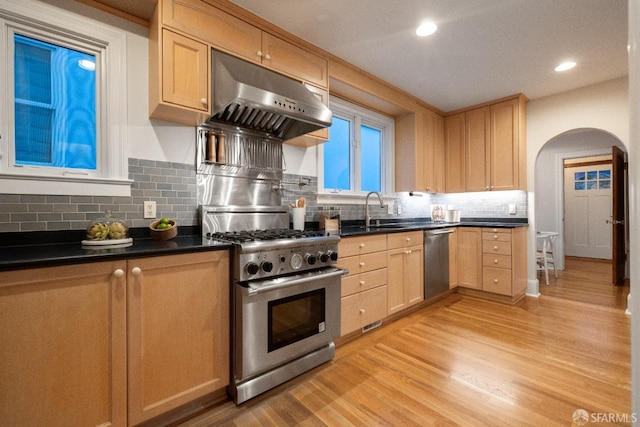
(436, 261)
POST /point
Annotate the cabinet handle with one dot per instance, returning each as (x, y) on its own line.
(495, 248)
(136, 271)
(408, 239)
(259, 53)
(407, 252)
(495, 281)
(495, 261)
(204, 101)
(495, 236)
(361, 282)
(362, 311)
(118, 273)
(267, 57)
(361, 263)
(361, 245)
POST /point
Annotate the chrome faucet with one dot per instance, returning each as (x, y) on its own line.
(367, 217)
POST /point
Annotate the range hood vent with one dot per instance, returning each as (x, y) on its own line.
(247, 96)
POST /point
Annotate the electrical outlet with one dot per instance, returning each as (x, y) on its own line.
(512, 209)
(390, 209)
(399, 209)
(150, 209)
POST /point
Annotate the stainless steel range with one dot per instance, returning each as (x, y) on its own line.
(286, 298)
(285, 289)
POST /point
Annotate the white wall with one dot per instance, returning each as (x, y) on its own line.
(603, 107)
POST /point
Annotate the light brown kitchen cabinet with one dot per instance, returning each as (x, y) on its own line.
(177, 329)
(495, 146)
(63, 346)
(453, 259)
(477, 149)
(454, 158)
(420, 152)
(364, 289)
(470, 257)
(405, 271)
(504, 261)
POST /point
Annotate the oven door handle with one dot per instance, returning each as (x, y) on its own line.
(288, 281)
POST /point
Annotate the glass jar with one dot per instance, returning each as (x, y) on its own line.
(107, 228)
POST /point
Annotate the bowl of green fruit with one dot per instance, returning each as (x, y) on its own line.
(163, 229)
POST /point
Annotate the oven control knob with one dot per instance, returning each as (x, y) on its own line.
(252, 268)
(333, 256)
(324, 257)
(296, 261)
(311, 259)
(267, 266)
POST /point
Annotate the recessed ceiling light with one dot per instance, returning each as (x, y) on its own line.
(566, 66)
(426, 29)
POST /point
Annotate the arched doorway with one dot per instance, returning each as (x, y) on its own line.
(549, 176)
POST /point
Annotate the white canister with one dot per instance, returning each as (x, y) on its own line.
(452, 216)
(298, 218)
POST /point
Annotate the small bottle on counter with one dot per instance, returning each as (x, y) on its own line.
(222, 157)
(212, 149)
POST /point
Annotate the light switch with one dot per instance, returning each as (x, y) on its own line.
(512, 209)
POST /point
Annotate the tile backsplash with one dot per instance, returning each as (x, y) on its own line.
(173, 187)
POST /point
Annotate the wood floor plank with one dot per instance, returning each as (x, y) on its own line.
(464, 361)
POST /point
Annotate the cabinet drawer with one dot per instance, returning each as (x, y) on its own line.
(496, 280)
(362, 245)
(362, 282)
(403, 240)
(496, 236)
(494, 260)
(500, 248)
(363, 308)
(364, 263)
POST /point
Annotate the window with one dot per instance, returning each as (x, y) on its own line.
(63, 105)
(592, 180)
(358, 158)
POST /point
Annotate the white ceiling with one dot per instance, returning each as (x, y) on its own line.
(483, 49)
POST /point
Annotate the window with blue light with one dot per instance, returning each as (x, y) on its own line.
(55, 105)
(355, 160)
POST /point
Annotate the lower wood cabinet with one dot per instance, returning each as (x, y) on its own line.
(405, 261)
(112, 343)
(63, 346)
(364, 290)
(177, 330)
(493, 260)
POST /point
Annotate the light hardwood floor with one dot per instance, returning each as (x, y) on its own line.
(469, 362)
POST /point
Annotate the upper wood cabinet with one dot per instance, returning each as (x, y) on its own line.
(420, 152)
(487, 145)
(454, 131)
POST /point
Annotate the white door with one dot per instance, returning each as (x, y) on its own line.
(587, 191)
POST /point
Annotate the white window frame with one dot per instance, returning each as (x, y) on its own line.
(57, 26)
(359, 116)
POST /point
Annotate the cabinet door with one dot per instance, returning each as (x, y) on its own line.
(454, 153)
(439, 177)
(470, 257)
(363, 308)
(185, 71)
(222, 30)
(504, 145)
(63, 346)
(178, 330)
(414, 275)
(477, 138)
(286, 58)
(453, 259)
(396, 293)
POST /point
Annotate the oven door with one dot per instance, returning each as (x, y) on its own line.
(281, 319)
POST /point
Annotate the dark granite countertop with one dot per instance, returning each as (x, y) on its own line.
(411, 225)
(42, 249)
(20, 250)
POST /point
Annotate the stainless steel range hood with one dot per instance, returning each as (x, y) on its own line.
(247, 96)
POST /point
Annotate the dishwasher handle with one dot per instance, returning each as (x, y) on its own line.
(436, 232)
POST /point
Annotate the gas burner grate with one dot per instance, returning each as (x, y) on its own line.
(261, 235)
